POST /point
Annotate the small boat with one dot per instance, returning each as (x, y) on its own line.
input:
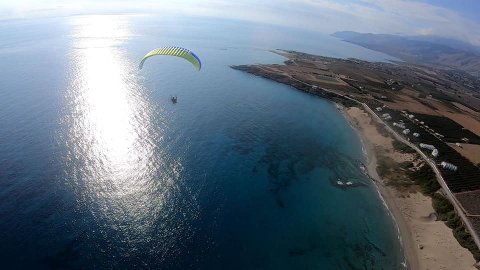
(174, 99)
(349, 183)
(340, 183)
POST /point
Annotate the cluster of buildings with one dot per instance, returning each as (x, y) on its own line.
(433, 150)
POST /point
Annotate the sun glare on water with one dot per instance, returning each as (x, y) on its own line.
(111, 139)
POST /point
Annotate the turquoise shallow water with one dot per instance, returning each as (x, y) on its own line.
(99, 170)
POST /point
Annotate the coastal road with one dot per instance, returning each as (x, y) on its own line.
(440, 179)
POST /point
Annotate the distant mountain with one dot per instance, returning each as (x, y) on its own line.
(457, 44)
(420, 49)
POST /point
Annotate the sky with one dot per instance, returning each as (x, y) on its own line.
(458, 19)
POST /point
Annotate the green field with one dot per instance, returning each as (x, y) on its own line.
(326, 78)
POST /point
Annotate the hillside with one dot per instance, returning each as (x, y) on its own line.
(419, 50)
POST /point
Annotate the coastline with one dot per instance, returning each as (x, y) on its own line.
(427, 243)
(411, 212)
(404, 234)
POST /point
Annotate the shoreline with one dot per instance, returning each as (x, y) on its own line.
(427, 243)
(420, 239)
(403, 231)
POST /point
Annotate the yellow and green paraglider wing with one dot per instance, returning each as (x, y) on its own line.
(174, 51)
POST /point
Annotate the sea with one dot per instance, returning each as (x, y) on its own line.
(100, 170)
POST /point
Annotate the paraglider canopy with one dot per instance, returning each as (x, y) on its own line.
(174, 51)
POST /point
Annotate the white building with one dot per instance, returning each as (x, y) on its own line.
(416, 135)
(435, 153)
(400, 125)
(449, 166)
(427, 146)
(406, 131)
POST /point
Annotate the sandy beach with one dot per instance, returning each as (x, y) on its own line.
(428, 243)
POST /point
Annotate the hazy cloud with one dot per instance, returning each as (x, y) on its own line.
(377, 16)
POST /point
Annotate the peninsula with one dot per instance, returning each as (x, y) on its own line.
(420, 125)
